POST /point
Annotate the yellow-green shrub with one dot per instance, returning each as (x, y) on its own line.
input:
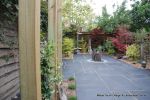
(133, 52)
(67, 47)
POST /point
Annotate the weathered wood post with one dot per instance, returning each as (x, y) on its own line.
(29, 49)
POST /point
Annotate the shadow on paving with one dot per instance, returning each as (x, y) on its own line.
(112, 80)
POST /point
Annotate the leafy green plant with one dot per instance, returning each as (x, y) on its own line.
(83, 45)
(9, 11)
(67, 47)
(48, 73)
(44, 16)
(140, 36)
(72, 86)
(111, 51)
(99, 48)
(140, 15)
(72, 98)
(71, 78)
(133, 52)
(108, 47)
(109, 23)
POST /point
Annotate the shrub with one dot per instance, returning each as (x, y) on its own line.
(133, 52)
(72, 98)
(120, 47)
(67, 47)
(83, 45)
(71, 78)
(72, 86)
(108, 47)
(48, 76)
(111, 51)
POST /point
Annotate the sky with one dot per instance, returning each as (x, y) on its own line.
(98, 4)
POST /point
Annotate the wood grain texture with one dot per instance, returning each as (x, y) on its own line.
(9, 66)
(29, 49)
(51, 21)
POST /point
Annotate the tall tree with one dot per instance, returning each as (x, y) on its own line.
(120, 17)
(78, 13)
(140, 15)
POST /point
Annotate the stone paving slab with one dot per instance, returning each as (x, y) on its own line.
(105, 81)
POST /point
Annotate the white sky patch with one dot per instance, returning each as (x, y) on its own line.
(98, 4)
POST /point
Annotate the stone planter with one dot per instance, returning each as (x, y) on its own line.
(96, 56)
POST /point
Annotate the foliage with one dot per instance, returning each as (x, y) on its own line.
(121, 48)
(43, 36)
(11, 42)
(72, 86)
(78, 13)
(140, 15)
(70, 32)
(108, 47)
(121, 40)
(96, 31)
(110, 22)
(9, 11)
(122, 16)
(83, 45)
(133, 52)
(71, 78)
(105, 21)
(68, 45)
(44, 20)
(99, 48)
(72, 98)
(48, 75)
(44, 16)
(140, 36)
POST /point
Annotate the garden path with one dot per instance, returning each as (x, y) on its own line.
(111, 79)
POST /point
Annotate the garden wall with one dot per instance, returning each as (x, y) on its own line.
(9, 70)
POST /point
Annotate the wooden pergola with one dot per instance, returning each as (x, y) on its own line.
(29, 44)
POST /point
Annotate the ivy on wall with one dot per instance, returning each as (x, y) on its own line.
(8, 10)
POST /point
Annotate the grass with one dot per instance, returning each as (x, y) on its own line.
(71, 79)
(72, 86)
(72, 98)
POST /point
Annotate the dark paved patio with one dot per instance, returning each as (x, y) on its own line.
(111, 80)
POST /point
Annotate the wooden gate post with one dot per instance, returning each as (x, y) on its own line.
(59, 30)
(51, 20)
(29, 49)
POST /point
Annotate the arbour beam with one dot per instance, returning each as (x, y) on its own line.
(29, 49)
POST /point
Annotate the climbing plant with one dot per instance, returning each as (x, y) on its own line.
(49, 77)
(8, 11)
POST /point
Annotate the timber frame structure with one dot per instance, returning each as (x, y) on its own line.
(29, 44)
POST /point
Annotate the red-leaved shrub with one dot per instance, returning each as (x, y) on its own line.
(121, 40)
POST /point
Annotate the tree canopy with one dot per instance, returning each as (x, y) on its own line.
(140, 15)
(110, 22)
(78, 13)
